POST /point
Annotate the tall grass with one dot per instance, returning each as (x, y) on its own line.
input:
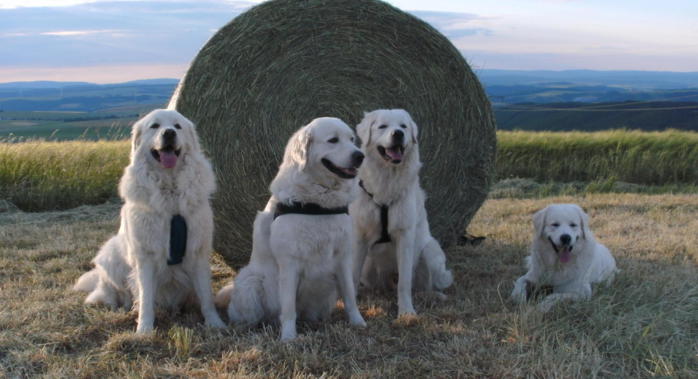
(649, 158)
(39, 175)
(42, 175)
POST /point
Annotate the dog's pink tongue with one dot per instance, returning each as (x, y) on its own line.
(394, 154)
(168, 159)
(349, 171)
(565, 254)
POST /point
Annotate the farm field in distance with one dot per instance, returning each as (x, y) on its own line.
(68, 125)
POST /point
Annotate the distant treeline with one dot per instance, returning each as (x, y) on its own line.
(650, 116)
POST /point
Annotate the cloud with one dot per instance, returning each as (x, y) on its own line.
(454, 25)
(74, 33)
(133, 32)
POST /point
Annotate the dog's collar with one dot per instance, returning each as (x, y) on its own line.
(385, 236)
(307, 209)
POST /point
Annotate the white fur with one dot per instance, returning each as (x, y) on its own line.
(413, 250)
(132, 265)
(299, 261)
(590, 262)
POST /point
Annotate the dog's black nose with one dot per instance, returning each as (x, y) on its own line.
(565, 239)
(397, 135)
(169, 135)
(357, 158)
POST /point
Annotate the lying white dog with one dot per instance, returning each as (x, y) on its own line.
(564, 255)
(161, 252)
(390, 221)
(302, 248)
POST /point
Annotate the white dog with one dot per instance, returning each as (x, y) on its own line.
(302, 249)
(564, 255)
(161, 252)
(390, 220)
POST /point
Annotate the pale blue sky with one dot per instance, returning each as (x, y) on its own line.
(117, 40)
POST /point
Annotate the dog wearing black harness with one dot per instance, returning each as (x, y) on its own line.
(302, 243)
(390, 221)
(160, 256)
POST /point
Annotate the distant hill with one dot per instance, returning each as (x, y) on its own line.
(84, 97)
(530, 100)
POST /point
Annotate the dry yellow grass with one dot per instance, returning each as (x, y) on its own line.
(646, 324)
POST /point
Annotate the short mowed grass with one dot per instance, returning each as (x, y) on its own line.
(39, 175)
(644, 325)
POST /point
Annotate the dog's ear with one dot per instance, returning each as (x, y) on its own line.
(364, 129)
(298, 147)
(583, 221)
(413, 128)
(539, 221)
(192, 136)
(136, 132)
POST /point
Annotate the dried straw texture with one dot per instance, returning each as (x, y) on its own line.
(285, 62)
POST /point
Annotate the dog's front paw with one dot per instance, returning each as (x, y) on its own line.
(406, 311)
(520, 292)
(357, 320)
(287, 336)
(143, 328)
(215, 322)
(546, 305)
(288, 331)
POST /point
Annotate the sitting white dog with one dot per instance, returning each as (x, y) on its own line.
(160, 255)
(565, 256)
(302, 241)
(390, 221)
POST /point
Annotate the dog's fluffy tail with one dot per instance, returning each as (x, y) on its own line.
(435, 260)
(223, 296)
(87, 282)
(244, 298)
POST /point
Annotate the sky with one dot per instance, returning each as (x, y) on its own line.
(106, 41)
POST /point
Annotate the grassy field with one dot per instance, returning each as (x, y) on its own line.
(59, 175)
(645, 325)
(649, 158)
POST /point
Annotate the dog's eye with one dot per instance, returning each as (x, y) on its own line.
(352, 139)
(555, 224)
(573, 225)
(333, 140)
(155, 126)
(383, 126)
(178, 126)
(403, 126)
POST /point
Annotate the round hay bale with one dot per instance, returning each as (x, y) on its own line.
(284, 62)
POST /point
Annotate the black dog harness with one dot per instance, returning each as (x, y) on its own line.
(178, 240)
(307, 209)
(385, 236)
